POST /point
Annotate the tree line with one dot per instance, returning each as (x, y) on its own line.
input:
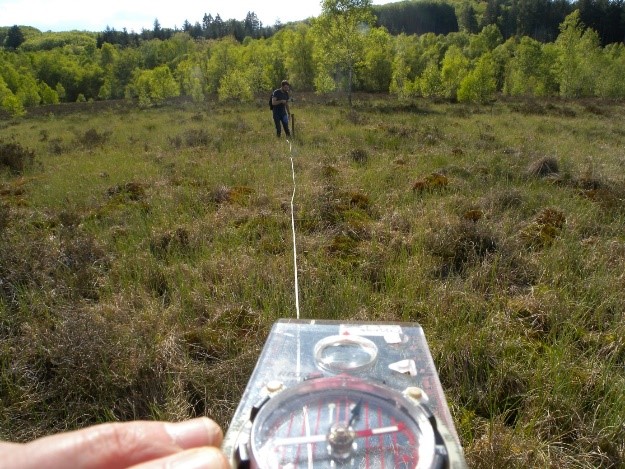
(332, 52)
(537, 19)
(209, 28)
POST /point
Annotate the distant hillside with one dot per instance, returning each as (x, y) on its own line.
(27, 31)
(417, 17)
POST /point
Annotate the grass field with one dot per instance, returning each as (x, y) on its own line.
(144, 255)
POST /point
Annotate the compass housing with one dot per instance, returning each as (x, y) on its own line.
(313, 425)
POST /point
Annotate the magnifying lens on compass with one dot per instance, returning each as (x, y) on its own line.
(345, 353)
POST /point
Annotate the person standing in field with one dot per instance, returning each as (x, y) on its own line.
(281, 113)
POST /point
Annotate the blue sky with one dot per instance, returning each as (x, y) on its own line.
(66, 15)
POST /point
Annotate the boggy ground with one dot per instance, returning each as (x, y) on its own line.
(144, 254)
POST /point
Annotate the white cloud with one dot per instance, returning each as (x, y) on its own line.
(65, 15)
(62, 15)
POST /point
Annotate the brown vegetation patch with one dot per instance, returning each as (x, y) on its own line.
(564, 111)
(596, 110)
(13, 188)
(91, 138)
(73, 267)
(128, 191)
(432, 136)
(336, 203)
(112, 359)
(545, 228)
(86, 261)
(473, 215)
(56, 147)
(611, 198)
(433, 182)
(233, 195)
(343, 245)
(15, 157)
(551, 216)
(329, 171)
(608, 194)
(528, 107)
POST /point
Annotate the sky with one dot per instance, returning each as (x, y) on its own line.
(135, 15)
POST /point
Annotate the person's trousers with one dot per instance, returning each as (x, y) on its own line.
(282, 121)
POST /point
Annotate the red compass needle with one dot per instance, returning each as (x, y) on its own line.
(367, 432)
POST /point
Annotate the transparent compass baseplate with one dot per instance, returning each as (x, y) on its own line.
(331, 394)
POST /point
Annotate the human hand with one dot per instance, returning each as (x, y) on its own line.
(146, 445)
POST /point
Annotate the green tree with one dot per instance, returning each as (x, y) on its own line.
(400, 82)
(479, 85)
(235, 86)
(191, 79)
(406, 62)
(48, 95)
(10, 75)
(454, 68)
(261, 63)
(152, 87)
(487, 40)
(610, 82)
(378, 61)
(430, 83)
(467, 20)
(28, 91)
(8, 101)
(578, 59)
(14, 38)
(223, 58)
(339, 34)
(529, 71)
(298, 55)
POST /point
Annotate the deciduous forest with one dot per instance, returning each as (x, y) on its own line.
(464, 52)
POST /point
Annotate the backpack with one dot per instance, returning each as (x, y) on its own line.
(270, 102)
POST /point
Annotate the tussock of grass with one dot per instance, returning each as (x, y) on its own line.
(461, 244)
(15, 157)
(91, 138)
(130, 190)
(546, 166)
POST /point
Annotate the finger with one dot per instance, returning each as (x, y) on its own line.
(116, 445)
(206, 457)
(6, 446)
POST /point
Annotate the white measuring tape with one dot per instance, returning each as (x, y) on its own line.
(293, 230)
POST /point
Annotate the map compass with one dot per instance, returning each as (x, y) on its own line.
(334, 395)
(343, 421)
